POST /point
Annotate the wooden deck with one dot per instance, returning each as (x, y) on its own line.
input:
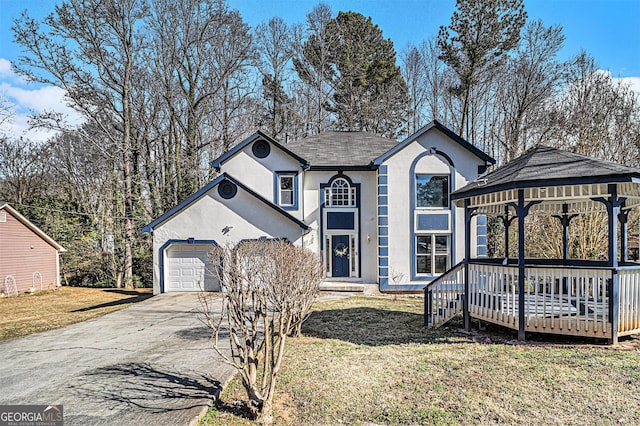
(557, 300)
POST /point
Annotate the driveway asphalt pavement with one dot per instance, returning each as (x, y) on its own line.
(149, 364)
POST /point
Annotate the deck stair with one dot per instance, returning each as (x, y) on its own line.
(444, 297)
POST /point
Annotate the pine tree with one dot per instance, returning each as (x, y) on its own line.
(478, 40)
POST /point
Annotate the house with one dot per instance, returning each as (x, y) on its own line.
(29, 258)
(377, 211)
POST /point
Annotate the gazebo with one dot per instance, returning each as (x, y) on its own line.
(578, 297)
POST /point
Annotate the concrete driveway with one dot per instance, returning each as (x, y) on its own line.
(149, 364)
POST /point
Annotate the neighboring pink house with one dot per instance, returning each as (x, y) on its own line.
(27, 254)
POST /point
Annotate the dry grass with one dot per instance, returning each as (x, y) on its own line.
(46, 310)
(369, 361)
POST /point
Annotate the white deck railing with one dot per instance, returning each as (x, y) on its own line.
(557, 300)
(444, 297)
(629, 307)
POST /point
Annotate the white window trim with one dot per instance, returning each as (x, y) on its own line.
(432, 255)
(329, 194)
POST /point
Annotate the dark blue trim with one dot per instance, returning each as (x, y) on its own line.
(188, 241)
(383, 225)
(340, 220)
(276, 188)
(217, 163)
(437, 222)
(435, 124)
(193, 198)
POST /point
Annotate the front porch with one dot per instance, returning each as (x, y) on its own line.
(597, 298)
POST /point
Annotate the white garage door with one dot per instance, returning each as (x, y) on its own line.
(188, 268)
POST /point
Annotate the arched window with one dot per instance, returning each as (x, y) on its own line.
(340, 194)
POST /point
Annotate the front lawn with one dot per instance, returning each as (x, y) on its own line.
(25, 314)
(370, 361)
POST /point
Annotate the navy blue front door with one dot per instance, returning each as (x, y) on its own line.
(340, 256)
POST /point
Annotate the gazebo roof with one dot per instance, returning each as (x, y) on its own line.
(544, 166)
(558, 181)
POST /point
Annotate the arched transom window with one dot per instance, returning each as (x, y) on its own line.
(340, 194)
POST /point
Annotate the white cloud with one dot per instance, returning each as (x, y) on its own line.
(28, 99)
(633, 82)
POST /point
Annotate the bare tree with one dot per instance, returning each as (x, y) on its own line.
(594, 115)
(413, 71)
(312, 64)
(531, 77)
(23, 169)
(267, 288)
(90, 49)
(274, 45)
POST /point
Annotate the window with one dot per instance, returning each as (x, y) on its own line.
(261, 149)
(227, 189)
(286, 194)
(432, 191)
(340, 194)
(432, 254)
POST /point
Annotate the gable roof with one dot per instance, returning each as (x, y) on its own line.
(257, 135)
(196, 196)
(342, 149)
(547, 166)
(435, 124)
(26, 222)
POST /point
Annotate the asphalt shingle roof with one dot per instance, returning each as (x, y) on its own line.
(546, 166)
(333, 149)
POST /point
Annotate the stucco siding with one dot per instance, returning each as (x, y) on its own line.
(426, 155)
(212, 218)
(259, 173)
(23, 252)
(367, 218)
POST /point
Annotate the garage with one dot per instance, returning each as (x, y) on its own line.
(188, 268)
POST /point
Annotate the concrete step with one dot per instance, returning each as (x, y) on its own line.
(342, 286)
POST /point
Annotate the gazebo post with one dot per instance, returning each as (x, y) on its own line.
(521, 264)
(468, 214)
(613, 204)
(522, 210)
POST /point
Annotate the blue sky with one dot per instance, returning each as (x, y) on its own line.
(607, 29)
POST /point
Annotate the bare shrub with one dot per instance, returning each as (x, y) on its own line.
(267, 288)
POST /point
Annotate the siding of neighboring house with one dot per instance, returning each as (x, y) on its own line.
(22, 253)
